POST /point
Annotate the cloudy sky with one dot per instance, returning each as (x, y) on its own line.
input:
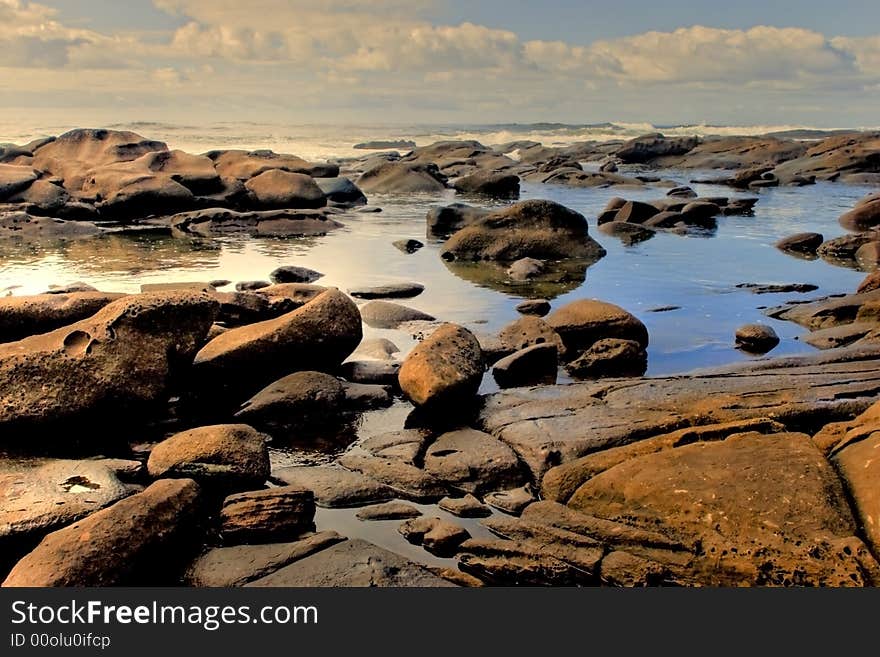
(806, 62)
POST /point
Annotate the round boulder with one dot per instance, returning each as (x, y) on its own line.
(756, 338)
(582, 323)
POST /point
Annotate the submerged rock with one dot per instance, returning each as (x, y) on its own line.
(385, 314)
(294, 274)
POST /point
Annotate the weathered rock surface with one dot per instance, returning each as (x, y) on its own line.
(402, 178)
(473, 462)
(448, 219)
(341, 190)
(282, 189)
(386, 314)
(41, 313)
(259, 223)
(437, 536)
(225, 457)
(536, 307)
(511, 501)
(136, 542)
(267, 515)
(528, 332)
(864, 216)
(23, 226)
(494, 184)
(388, 291)
(389, 511)
(294, 274)
(528, 367)
(610, 357)
(756, 338)
(582, 323)
(300, 400)
(335, 487)
(465, 507)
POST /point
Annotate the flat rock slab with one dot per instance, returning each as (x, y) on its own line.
(550, 425)
(388, 291)
(236, 566)
(465, 507)
(859, 465)
(335, 487)
(354, 563)
(389, 511)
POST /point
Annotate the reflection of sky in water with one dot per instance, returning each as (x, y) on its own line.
(697, 274)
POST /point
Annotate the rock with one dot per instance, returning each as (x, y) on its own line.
(631, 234)
(859, 467)
(335, 487)
(756, 338)
(388, 291)
(71, 288)
(582, 323)
(376, 349)
(465, 507)
(407, 445)
(37, 500)
(825, 313)
(341, 190)
(806, 534)
(756, 288)
(868, 256)
(700, 213)
(489, 183)
(528, 332)
(302, 400)
(21, 317)
(245, 165)
(282, 189)
(451, 218)
(444, 370)
(352, 563)
(408, 246)
(845, 247)
(635, 212)
(294, 274)
(524, 563)
(437, 536)
(682, 192)
(492, 347)
(534, 229)
(290, 296)
(267, 515)
(560, 483)
(390, 144)
(622, 569)
(371, 372)
(552, 425)
(23, 226)
(839, 336)
(865, 216)
(365, 396)
(649, 147)
(661, 221)
(385, 314)
(136, 542)
(511, 501)
(15, 179)
(116, 364)
(389, 511)
(473, 462)
(871, 283)
(610, 357)
(224, 457)
(402, 178)
(214, 222)
(801, 243)
(228, 567)
(536, 307)
(407, 480)
(319, 335)
(251, 286)
(533, 365)
(832, 157)
(526, 268)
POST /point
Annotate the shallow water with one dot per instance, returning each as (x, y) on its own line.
(697, 274)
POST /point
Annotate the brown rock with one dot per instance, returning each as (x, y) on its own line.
(582, 323)
(528, 332)
(473, 461)
(865, 216)
(385, 314)
(283, 189)
(756, 338)
(334, 487)
(858, 462)
(437, 536)
(610, 357)
(402, 178)
(464, 507)
(303, 399)
(267, 515)
(533, 365)
(388, 511)
(41, 313)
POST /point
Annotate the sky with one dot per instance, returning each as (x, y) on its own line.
(808, 62)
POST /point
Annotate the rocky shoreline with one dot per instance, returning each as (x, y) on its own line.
(142, 425)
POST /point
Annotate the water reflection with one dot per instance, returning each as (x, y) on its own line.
(557, 279)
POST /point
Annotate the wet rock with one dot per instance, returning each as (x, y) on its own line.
(267, 515)
(635, 212)
(391, 144)
(536, 307)
(526, 563)
(212, 222)
(511, 501)
(116, 364)
(285, 297)
(227, 567)
(865, 216)
(526, 268)
(534, 229)
(294, 274)
(631, 234)
(317, 336)
(825, 313)
(472, 461)
(389, 511)
(533, 365)
(385, 314)
(15, 179)
(649, 147)
(868, 256)
(298, 401)
(830, 158)
(36, 500)
(408, 481)
(437, 536)
(224, 457)
(41, 313)
(277, 189)
(407, 246)
(251, 286)
(858, 464)
(489, 183)
(335, 487)
(352, 563)
(493, 349)
(682, 192)
(220, 282)
(245, 165)
(444, 370)
(23, 226)
(871, 283)
(388, 291)
(371, 372)
(757, 288)
(451, 218)
(610, 357)
(756, 338)
(528, 332)
(838, 336)
(402, 178)
(465, 507)
(365, 396)
(806, 534)
(376, 349)
(136, 542)
(662, 220)
(582, 323)
(845, 247)
(341, 190)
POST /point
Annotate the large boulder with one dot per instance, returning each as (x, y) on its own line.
(299, 400)
(444, 370)
(277, 189)
(474, 462)
(649, 147)
(244, 165)
(224, 457)
(582, 323)
(864, 216)
(143, 540)
(534, 229)
(531, 366)
(15, 179)
(402, 178)
(341, 190)
(610, 357)
(317, 336)
(123, 360)
(494, 184)
(447, 219)
(834, 157)
(41, 313)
